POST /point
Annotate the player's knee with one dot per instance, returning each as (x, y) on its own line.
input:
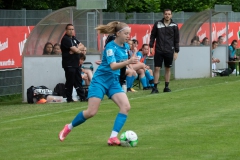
(125, 108)
(140, 71)
(168, 68)
(157, 69)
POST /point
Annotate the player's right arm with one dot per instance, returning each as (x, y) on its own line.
(115, 66)
(111, 59)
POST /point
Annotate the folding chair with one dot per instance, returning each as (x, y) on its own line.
(87, 65)
(137, 83)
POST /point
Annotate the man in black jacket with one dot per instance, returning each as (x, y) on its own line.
(71, 48)
(166, 33)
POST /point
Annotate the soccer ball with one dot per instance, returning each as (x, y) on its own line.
(129, 139)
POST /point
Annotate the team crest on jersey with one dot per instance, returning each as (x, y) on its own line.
(109, 52)
(75, 41)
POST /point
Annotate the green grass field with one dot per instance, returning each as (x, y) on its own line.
(198, 120)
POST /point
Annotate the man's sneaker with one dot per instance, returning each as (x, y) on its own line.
(83, 100)
(64, 132)
(69, 101)
(166, 89)
(154, 90)
(114, 141)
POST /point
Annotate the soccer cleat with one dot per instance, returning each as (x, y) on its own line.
(146, 88)
(166, 89)
(64, 132)
(114, 141)
(133, 90)
(129, 90)
(151, 81)
(154, 90)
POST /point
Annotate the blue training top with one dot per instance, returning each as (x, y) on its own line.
(141, 58)
(112, 53)
(232, 51)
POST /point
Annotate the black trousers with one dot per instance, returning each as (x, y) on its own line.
(73, 79)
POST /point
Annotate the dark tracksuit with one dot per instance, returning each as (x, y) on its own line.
(70, 64)
(167, 42)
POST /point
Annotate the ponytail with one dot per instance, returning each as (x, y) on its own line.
(111, 28)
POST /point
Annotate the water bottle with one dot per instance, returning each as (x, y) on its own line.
(124, 87)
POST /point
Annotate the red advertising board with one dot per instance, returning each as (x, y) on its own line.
(12, 41)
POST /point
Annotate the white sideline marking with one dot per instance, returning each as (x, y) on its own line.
(43, 115)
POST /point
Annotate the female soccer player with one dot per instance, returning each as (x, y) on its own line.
(106, 81)
(142, 55)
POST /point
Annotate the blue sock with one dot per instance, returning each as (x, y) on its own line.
(143, 81)
(132, 80)
(148, 75)
(147, 81)
(119, 122)
(129, 81)
(79, 119)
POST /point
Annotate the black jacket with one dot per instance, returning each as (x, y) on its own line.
(167, 37)
(69, 60)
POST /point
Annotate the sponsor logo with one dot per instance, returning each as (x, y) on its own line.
(9, 62)
(4, 45)
(21, 44)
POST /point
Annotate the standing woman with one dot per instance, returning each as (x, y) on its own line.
(106, 81)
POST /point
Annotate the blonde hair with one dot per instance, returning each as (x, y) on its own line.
(111, 28)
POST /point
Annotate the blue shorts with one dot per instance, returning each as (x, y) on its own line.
(100, 86)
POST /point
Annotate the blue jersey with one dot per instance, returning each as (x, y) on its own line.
(113, 53)
(105, 80)
(141, 58)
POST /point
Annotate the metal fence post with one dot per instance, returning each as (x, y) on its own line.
(152, 13)
(49, 11)
(24, 17)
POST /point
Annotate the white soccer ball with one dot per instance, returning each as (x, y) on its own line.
(129, 139)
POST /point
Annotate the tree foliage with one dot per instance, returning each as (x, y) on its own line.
(36, 4)
(125, 5)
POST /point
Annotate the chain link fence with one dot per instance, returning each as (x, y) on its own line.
(11, 80)
(32, 17)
